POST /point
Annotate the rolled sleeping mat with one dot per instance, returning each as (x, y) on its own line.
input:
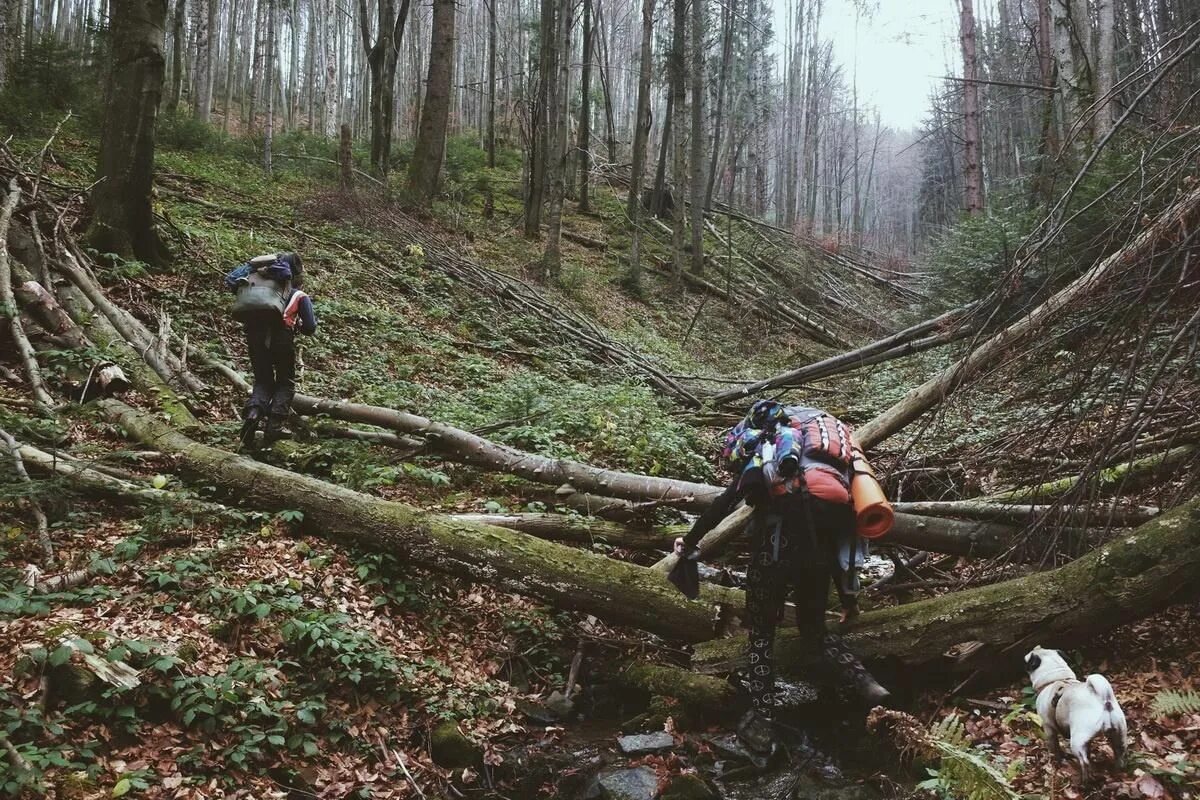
(872, 510)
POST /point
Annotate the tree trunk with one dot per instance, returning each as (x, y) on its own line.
(1128, 579)
(582, 530)
(728, 14)
(269, 84)
(1170, 225)
(558, 159)
(122, 215)
(696, 179)
(426, 165)
(231, 61)
(176, 57)
(641, 135)
(566, 577)
(375, 58)
(332, 91)
(1106, 67)
(204, 19)
(346, 159)
(972, 165)
(489, 201)
(949, 322)
(42, 400)
(585, 109)
(540, 137)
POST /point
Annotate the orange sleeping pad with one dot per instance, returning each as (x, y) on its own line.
(871, 507)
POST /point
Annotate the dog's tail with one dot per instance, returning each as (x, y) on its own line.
(1104, 691)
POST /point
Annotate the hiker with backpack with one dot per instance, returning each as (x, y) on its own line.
(813, 494)
(271, 308)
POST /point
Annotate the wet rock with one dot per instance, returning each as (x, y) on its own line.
(731, 747)
(640, 744)
(554, 709)
(449, 748)
(689, 787)
(639, 783)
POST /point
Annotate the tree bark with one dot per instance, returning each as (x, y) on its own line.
(1169, 226)
(585, 110)
(557, 156)
(566, 577)
(641, 136)
(489, 201)
(176, 56)
(345, 159)
(1106, 67)
(431, 140)
(696, 156)
(540, 136)
(204, 19)
(972, 164)
(269, 84)
(122, 215)
(42, 400)
(582, 530)
(987, 510)
(1129, 578)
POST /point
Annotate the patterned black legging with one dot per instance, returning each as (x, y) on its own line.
(789, 555)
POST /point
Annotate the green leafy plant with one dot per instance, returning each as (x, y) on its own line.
(1176, 702)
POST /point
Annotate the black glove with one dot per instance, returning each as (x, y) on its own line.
(686, 572)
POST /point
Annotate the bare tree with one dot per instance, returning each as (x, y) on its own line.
(560, 93)
(641, 135)
(122, 216)
(426, 164)
(696, 181)
(382, 58)
(973, 167)
(585, 109)
(204, 19)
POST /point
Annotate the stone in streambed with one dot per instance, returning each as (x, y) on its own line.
(689, 787)
(641, 744)
(639, 783)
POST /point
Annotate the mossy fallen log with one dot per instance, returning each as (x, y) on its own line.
(1132, 576)
(583, 530)
(566, 577)
(1130, 471)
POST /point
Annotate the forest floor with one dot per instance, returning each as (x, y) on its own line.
(277, 665)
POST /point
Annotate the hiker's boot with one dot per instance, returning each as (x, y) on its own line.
(274, 429)
(851, 671)
(756, 732)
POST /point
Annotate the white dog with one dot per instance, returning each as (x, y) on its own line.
(1076, 709)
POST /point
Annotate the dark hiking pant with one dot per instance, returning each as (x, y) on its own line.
(794, 551)
(272, 350)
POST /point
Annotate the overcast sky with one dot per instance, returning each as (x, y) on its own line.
(901, 49)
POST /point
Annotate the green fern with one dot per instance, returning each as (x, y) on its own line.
(1173, 703)
(965, 771)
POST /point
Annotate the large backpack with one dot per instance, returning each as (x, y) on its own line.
(786, 442)
(264, 294)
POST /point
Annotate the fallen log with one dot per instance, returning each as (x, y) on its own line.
(1132, 576)
(1107, 477)
(8, 308)
(990, 510)
(582, 530)
(460, 445)
(1171, 224)
(891, 346)
(566, 577)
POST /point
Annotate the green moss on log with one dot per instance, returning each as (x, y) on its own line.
(1126, 579)
(451, 749)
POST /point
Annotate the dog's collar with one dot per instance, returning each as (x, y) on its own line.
(1060, 675)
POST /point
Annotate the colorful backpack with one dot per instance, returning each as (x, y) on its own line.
(787, 442)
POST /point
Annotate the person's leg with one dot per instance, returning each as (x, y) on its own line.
(258, 405)
(765, 592)
(833, 522)
(283, 361)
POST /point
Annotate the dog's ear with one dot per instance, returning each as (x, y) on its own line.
(1063, 656)
(1032, 662)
